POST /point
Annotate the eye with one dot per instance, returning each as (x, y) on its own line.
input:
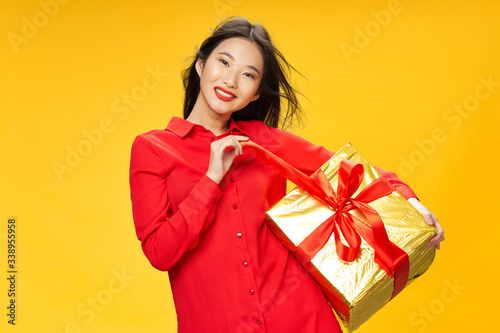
(249, 75)
(224, 62)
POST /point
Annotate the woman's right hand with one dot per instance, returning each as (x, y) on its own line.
(222, 154)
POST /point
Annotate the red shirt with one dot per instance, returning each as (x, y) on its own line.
(227, 271)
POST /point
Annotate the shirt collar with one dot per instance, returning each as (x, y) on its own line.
(182, 127)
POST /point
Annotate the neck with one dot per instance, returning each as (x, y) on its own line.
(214, 122)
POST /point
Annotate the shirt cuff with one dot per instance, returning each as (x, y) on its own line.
(206, 192)
(407, 193)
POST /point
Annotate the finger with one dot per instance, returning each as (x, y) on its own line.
(430, 218)
(436, 240)
(237, 149)
(234, 137)
(240, 137)
(229, 139)
(231, 155)
(434, 244)
(227, 143)
(235, 145)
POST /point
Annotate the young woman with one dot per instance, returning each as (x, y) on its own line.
(199, 199)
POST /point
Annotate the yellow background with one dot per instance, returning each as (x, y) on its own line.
(390, 92)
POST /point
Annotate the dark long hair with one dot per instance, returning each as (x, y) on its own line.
(274, 88)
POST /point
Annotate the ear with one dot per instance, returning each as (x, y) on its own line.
(199, 66)
(255, 97)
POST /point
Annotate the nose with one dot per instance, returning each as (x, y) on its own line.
(230, 79)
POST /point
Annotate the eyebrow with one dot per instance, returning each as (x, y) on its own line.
(232, 58)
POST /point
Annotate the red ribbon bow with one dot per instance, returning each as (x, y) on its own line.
(388, 256)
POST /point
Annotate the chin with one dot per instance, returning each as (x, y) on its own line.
(224, 111)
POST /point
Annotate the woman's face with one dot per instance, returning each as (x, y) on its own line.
(230, 77)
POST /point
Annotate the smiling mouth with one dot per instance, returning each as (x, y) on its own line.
(224, 95)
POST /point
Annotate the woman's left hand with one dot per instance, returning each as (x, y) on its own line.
(431, 219)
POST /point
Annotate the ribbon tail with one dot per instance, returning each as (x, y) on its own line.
(376, 236)
(315, 241)
(346, 253)
(351, 236)
(388, 256)
(401, 269)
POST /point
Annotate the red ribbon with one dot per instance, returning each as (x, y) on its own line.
(389, 257)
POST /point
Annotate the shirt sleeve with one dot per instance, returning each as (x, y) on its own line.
(308, 157)
(164, 236)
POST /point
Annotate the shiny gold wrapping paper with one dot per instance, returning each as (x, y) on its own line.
(358, 289)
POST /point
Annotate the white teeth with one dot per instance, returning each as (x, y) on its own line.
(224, 93)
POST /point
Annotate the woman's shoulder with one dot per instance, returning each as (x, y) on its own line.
(152, 136)
(161, 142)
(153, 133)
(163, 136)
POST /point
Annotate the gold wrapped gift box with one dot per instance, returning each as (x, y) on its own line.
(357, 289)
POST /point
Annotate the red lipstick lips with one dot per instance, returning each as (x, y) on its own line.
(224, 95)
